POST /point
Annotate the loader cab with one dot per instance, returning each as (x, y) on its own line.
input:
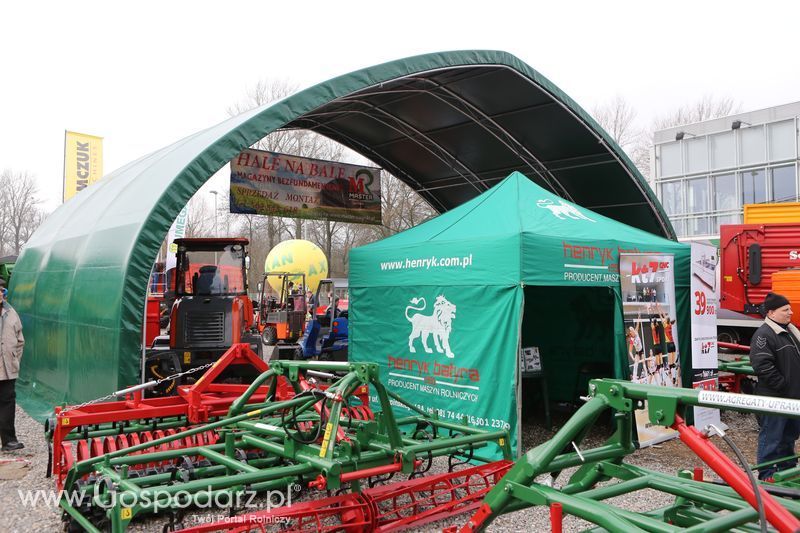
(211, 267)
(210, 309)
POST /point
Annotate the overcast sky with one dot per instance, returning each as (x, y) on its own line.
(147, 74)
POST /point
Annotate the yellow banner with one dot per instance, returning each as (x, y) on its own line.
(83, 162)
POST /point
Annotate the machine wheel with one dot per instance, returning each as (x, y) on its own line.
(270, 336)
(159, 365)
(728, 335)
(298, 354)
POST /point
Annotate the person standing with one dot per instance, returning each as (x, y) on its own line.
(11, 344)
(775, 357)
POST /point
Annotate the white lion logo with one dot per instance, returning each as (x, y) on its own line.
(562, 210)
(439, 324)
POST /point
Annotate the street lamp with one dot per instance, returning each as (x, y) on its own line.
(215, 193)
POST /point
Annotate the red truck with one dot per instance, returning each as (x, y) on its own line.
(751, 255)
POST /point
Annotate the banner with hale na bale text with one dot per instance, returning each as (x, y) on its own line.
(270, 183)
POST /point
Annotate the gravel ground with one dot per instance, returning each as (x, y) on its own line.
(669, 457)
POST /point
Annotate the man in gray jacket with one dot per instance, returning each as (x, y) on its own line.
(11, 343)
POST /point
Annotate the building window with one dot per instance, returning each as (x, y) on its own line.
(672, 197)
(670, 154)
(696, 155)
(751, 145)
(782, 140)
(754, 187)
(723, 151)
(697, 195)
(698, 226)
(727, 219)
(725, 198)
(784, 184)
(679, 227)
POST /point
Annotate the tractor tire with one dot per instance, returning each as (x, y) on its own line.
(158, 365)
(729, 335)
(270, 336)
(298, 355)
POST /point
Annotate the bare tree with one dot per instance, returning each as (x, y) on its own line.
(199, 221)
(706, 108)
(20, 214)
(617, 118)
(402, 207)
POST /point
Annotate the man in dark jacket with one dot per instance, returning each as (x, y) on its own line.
(775, 356)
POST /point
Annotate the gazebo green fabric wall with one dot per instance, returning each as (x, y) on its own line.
(480, 257)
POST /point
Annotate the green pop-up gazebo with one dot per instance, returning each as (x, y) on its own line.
(515, 266)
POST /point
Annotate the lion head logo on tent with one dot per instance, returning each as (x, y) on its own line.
(562, 209)
(439, 324)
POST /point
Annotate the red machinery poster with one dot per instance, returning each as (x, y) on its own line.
(651, 334)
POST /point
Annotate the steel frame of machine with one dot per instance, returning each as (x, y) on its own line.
(320, 437)
(698, 505)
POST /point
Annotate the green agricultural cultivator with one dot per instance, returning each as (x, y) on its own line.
(299, 426)
(737, 503)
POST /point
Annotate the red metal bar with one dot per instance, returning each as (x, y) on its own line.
(321, 482)
(556, 517)
(735, 347)
(777, 515)
(197, 402)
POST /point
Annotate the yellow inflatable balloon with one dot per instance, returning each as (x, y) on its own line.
(300, 257)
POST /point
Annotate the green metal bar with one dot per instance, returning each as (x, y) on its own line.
(616, 489)
(201, 472)
(455, 442)
(568, 460)
(536, 461)
(224, 482)
(393, 395)
(741, 366)
(313, 460)
(597, 513)
(241, 401)
(228, 461)
(708, 522)
(392, 430)
(82, 520)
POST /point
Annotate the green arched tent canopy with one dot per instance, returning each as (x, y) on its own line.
(448, 124)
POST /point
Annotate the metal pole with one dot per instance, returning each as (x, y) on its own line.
(215, 193)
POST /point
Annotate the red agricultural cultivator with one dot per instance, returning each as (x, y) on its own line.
(299, 425)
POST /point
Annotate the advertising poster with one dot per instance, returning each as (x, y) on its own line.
(704, 328)
(176, 231)
(269, 183)
(651, 334)
(433, 357)
(83, 162)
